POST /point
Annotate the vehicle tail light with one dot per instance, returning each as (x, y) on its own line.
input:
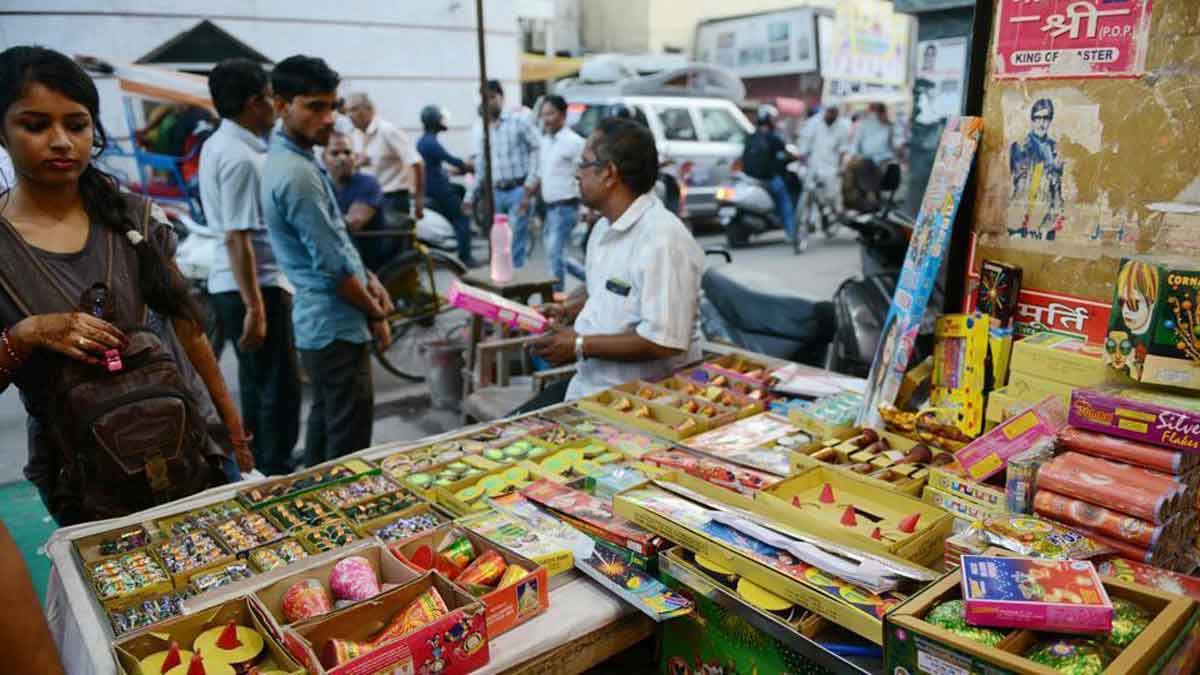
(725, 194)
(736, 166)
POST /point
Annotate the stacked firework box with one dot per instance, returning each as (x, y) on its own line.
(1136, 497)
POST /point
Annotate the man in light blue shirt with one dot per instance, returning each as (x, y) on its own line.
(338, 303)
(248, 292)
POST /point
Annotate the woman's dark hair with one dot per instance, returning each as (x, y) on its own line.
(630, 147)
(301, 75)
(233, 83)
(162, 285)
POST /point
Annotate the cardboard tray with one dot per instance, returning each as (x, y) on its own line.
(371, 527)
(839, 456)
(910, 640)
(386, 566)
(804, 592)
(446, 495)
(181, 579)
(88, 548)
(874, 507)
(255, 497)
(357, 514)
(301, 536)
(131, 648)
(254, 565)
(744, 405)
(325, 492)
(454, 644)
(164, 525)
(677, 562)
(662, 422)
(508, 607)
(739, 368)
(430, 492)
(990, 497)
(136, 597)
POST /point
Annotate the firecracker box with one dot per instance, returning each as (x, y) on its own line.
(959, 362)
(455, 643)
(129, 650)
(387, 569)
(657, 419)
(987, 455)
(268, 492)
(505, 530)
(912, 645)
(371, 528)
(724, 630)
(1152, 417)
(959, 506)
(593, 516)
(1030, 387)
(838, 506)
(495, 307)
(737, 367)
(417, 483)
(949, 480)
(744, 403)
(849, 606)
(1063, 596)
(507, 607)
(886, 470)
(1067, 360)
(1154, 329)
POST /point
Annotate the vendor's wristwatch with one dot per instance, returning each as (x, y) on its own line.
(578, 347)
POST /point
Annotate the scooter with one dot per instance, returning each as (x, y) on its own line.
(745, 207)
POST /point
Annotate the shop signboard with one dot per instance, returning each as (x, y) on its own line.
(926, 251)
(1071, 38)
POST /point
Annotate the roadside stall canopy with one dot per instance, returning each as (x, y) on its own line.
(539, 68)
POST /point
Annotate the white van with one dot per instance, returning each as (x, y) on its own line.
(700, 137)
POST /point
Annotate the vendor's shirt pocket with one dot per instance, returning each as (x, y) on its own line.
(622, 301)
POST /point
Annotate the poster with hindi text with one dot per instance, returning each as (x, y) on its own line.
(1046, 39)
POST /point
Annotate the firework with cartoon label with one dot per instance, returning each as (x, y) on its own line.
(1154, 577)
(1054, 595)
(1071, 656)
(1033, 536)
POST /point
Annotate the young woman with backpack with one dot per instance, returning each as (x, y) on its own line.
(100, 333)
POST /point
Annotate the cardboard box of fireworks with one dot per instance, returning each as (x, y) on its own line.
(852, 607)
(249, 643)
(878, 458)
(427, 625)
(917, 643)
(837, 505)
(310, 589)
(509, 602)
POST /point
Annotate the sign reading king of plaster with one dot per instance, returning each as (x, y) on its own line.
(1047, 39)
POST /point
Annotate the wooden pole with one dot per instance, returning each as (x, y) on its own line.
(485, 118)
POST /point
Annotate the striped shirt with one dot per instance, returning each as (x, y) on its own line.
(514, 149)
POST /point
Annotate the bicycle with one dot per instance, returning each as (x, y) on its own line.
(416, 280)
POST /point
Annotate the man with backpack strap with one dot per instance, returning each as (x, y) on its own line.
(765, 157)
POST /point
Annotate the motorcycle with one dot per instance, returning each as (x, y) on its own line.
(745, 207)
(750, 310)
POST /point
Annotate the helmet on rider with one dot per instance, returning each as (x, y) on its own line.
(433, 118)
(620, 111)
(767, 114)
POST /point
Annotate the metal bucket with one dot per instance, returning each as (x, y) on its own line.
(444, 373)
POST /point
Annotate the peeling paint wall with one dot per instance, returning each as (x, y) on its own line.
(1121, 172)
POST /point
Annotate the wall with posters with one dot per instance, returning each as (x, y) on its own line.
(1091, 111)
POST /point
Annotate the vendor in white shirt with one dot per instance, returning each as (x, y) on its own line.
(638, 316)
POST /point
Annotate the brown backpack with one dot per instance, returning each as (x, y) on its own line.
(128, 439)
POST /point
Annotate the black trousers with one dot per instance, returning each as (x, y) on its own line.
(552, 394)
(343, 407)
(268, 378)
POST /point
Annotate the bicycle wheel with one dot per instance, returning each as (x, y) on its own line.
(418, 319)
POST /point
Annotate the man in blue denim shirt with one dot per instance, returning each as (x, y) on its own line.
(338, 303)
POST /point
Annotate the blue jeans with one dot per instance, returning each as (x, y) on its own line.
(508, 202)
(784, 207)
(446, 202)
(560, 220)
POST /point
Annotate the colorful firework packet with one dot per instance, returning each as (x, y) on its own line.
(592, 515)
(611, 567)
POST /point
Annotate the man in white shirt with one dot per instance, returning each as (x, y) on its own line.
(390, 155)
(554, 176)
(824, 140)
(248, 290)
(638, 317)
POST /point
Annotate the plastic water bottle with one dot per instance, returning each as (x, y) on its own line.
(502, 264)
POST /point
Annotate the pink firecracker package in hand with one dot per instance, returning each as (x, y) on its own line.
(987, 455)
(1063, 596)
(495, 307)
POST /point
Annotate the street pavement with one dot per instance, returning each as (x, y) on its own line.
(402, 409)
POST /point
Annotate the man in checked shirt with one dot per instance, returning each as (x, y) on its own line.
(514, 152)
